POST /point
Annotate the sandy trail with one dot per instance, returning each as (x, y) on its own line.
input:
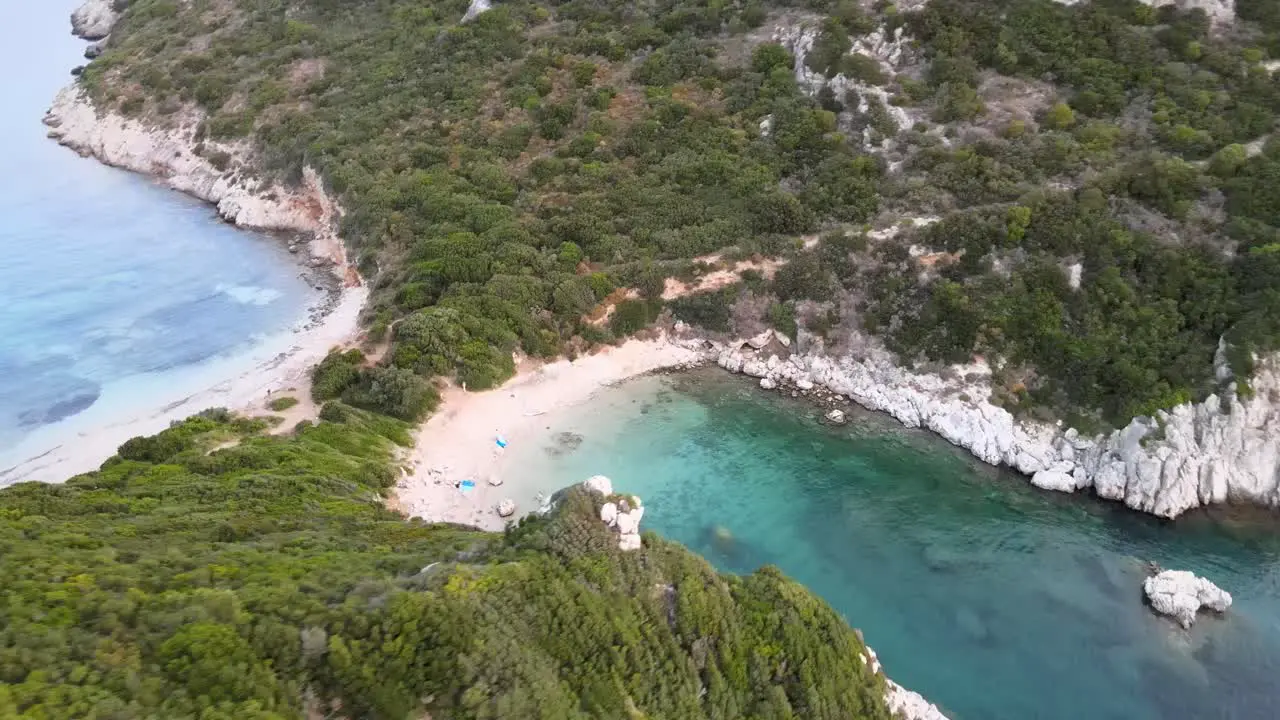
(459, 441)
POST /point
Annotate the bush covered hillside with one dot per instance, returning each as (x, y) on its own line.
(1102, 175)
(265, 579)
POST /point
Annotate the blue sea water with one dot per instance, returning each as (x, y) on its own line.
(115, 293)
(993, 599)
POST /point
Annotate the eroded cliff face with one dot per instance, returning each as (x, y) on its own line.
(214, 172)
(1225, 449)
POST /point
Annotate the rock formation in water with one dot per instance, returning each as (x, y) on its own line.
(214, 172)
(1179, 594)
(1224, 449)
(94, 19)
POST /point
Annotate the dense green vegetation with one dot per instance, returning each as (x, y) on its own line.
(1103, 179)
(503, 176)
(267, 580)
(1173, 226)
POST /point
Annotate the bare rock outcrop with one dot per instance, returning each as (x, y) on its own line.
(218, 173)
(1224, 449)
(1180, 595)
(94, 19)
(622, 514)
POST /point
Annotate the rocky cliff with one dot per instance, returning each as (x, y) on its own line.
(211, 171)
(1225, 449)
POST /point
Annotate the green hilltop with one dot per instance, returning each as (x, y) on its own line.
(217, 572)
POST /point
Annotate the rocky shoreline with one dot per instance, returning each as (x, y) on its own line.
(1225, 449)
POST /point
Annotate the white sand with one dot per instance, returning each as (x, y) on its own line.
(459, 441)
(80, 443)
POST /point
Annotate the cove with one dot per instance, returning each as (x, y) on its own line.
(117, 294)
(991, 598)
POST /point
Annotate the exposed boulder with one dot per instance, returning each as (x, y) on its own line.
(1179, 594)
(506, 508)
(94, 49)
(623, 515)
(94, 19)
(1058, 478)
(836, 416)
(599, 484)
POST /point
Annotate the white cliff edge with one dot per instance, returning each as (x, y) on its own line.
(169, 154)
(1180, 595)
(903, 703)
(1225, 449)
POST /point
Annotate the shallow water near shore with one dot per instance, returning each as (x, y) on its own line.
(118, 295)
(991, 598)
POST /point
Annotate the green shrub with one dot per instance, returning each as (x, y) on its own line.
(281, 404)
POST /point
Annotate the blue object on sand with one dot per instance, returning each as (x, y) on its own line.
(466, 486)
(502, 442)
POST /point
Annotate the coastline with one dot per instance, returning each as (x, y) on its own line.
(85, 448)
(459, 442)
(304, 218)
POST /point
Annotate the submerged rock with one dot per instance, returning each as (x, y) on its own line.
(1179, 594)
(836, 416)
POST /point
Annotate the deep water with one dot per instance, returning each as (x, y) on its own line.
(112, 289)
(993, 599)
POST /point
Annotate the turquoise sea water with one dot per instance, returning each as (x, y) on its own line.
(993, 599)
(112, 289)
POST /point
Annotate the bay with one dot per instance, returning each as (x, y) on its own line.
(991, 598)
(115, 294)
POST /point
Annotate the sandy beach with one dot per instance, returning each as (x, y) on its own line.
(460, 443)
(81, 443)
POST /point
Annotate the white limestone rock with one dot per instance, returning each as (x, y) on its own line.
(168, 155)
(759, 341)
(755, 368)
(910, 705)
(599, 484)
(609, 514)
(628, 523)
(94, 19)
(836, 416)
(475, 9)
(627, 543)
(1195, 454)
(1055, 479)
(1179, 594)
(768, 383)
(506, 508)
